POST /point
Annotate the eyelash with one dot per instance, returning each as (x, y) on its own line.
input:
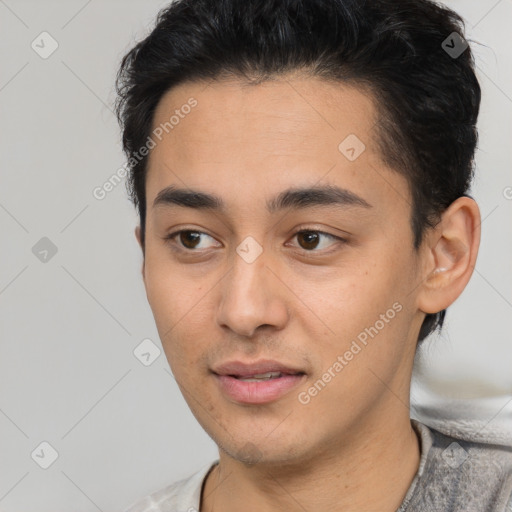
(170, 239)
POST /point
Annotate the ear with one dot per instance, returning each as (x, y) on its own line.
(450, 257)
(139, 239)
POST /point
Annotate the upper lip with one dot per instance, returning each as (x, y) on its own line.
(240, 369)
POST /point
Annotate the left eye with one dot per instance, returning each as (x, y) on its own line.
(311, 239)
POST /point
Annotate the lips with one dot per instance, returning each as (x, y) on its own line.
(241, 370)
(255, 383)
(261, 377)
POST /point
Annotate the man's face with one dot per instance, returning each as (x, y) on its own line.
(243, 291)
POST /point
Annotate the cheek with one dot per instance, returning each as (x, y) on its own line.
(170, 295)
(355, 293)
(179, 307)
(354, 299)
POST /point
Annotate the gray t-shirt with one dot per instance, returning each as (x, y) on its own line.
(454, 475)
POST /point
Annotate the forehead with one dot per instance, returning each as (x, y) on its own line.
(252, 138)
(279, 112)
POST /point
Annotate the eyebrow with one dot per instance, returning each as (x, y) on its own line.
(297, 198)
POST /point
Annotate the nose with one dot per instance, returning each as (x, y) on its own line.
(252, 296)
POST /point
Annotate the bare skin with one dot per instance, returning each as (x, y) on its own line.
(301, 302)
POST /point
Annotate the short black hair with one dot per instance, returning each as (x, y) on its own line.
(427, 98)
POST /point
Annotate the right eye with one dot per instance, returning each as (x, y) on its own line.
(188, 240)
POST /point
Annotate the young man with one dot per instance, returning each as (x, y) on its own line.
(301, 170)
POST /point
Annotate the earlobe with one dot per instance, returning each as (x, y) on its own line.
(452, 253)
(139, 240)
(137, 236)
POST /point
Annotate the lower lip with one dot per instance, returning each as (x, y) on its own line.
(258, 392)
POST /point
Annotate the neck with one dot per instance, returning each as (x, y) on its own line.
(370, 470)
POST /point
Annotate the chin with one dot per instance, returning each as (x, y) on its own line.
(266, 450)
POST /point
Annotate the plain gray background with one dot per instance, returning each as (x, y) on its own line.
(70, 323)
